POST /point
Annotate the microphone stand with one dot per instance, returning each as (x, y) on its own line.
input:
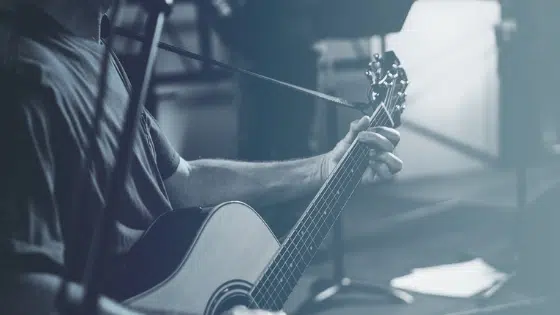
(105, 233)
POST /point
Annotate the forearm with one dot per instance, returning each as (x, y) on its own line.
(209, 182)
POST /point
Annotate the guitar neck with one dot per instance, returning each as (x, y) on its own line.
(388, 83)
(299, 248)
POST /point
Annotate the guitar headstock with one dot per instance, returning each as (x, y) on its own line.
(388, 83)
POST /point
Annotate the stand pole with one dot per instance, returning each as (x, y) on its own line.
(105, 233)
(323, 291)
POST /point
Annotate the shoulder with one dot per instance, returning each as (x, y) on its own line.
(59, 63)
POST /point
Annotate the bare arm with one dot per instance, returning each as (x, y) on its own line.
(209, 182)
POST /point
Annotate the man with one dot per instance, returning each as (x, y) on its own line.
(50, 54)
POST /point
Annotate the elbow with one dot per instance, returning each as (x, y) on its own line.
(177, 185)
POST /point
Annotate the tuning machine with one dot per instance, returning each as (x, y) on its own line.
(375, 63)
(370, 75)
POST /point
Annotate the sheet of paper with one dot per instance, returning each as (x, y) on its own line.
(460, 280)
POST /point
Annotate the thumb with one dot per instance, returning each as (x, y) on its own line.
(356, 127)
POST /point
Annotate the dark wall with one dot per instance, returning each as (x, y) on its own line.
(529, 72)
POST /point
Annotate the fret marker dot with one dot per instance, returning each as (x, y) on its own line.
(291, 265)
(324, 212)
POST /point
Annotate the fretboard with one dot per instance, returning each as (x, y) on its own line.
(299, 248)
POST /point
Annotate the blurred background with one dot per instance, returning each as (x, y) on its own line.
(479, 134)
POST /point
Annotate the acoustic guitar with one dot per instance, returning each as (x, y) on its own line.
(230, 256)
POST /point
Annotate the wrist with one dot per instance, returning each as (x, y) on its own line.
(325, 167)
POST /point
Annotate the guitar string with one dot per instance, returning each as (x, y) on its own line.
(327, 217)
(303, 252)
(272, 293)
(355, 159)
(321, 221)
(266, 279)
(322, 225)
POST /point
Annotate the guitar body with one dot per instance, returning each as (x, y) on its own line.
(205, 274)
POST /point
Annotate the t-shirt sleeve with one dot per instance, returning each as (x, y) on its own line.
(167, 157)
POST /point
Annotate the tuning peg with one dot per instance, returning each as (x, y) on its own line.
(374, 65)
(400, 107)
(376, 57)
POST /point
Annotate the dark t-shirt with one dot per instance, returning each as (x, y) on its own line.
(49, 81)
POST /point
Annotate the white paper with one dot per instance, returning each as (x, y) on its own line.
(461, 280)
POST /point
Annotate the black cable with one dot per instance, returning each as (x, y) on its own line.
(188, 54)
(79, 195)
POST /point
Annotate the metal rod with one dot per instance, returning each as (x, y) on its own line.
(105, 233)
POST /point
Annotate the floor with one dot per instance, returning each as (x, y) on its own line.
(411, 224)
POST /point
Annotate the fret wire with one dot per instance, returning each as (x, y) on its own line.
(288, 275)
(299, 271)
(281, 287)
(291, 252)
(320, 225)
(298, 231)
(353, 148)
(332, 216)
(278, 299)
(282, 290)
(312, 240)
(331, 188)
(337, 199)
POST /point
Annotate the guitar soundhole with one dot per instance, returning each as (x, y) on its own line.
(229, 295)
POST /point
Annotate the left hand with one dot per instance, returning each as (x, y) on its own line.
(382, 141)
